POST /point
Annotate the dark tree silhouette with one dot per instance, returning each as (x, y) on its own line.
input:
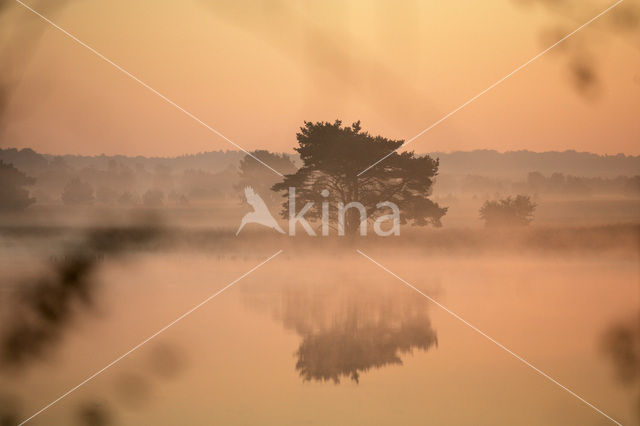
(261, 179)
(13, 196)
(509, 211)
(334, 155)
(77, 192)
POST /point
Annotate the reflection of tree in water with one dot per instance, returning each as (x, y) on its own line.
(349, 349)
(348, 329)
(621, 343)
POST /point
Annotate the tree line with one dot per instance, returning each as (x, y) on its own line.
(330, 168)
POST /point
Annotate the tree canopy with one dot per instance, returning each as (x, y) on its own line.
(509, 211)
(13, 195)
(333, 155)
(261, 179)
(77, 192)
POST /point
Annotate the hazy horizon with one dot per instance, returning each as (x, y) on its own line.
(292, 152)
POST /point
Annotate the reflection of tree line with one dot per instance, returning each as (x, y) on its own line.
(347, 330)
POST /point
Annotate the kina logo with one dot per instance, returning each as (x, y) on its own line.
(260, 214)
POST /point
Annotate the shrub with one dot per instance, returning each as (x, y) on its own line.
(508, 211)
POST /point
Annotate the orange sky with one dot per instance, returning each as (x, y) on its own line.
(256, 70)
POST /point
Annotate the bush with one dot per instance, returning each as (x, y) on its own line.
(509, 211)
(77, 192)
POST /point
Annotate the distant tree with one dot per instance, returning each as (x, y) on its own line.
(77, 192)
(177, 198)
(200, 185)
(13, 196)
(577, 186)
(25, 160)
(153, 198)
(479, 184)
(128, 198)
(536, 181)
(106, 195)
(162, 177)
(557, 181)
(509, 211)
(260, 178)
(333, 156)
(632, 185)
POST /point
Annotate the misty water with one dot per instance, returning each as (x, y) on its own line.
(318, 335)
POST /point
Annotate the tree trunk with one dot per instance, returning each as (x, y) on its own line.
(353, 215)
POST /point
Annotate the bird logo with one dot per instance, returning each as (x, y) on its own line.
(260, 213)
